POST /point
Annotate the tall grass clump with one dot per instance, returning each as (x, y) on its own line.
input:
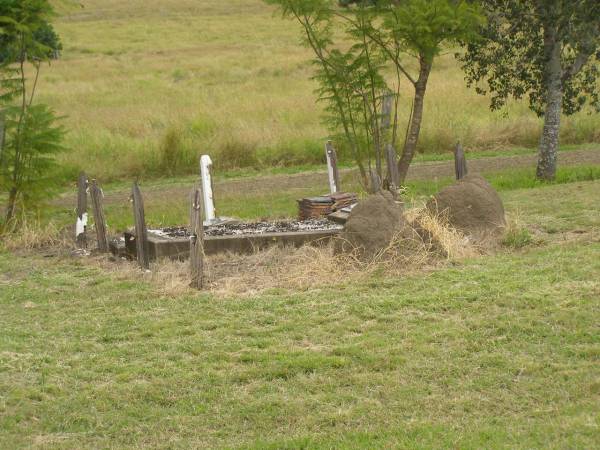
(171, 152)
(235, 154)
(517, 235)
(517, 238)
(292, 153)
(31, 234)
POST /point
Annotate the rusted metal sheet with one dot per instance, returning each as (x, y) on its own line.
(315, 207)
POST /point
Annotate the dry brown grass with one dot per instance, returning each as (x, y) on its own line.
(308, 267)
(443, 239)
(31, 235)
(285, 268)
(314, 267)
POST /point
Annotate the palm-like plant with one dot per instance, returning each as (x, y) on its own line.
(30, 135)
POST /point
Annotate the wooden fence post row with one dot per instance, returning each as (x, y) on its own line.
(99, 220)
(141, 232)
(197, 239)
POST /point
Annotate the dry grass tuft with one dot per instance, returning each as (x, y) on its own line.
(310, 267)
(517, 235)
(31, 235)
(276, 268)
(439, 236)
(168, 278)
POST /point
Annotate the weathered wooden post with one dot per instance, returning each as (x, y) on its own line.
(197, 240)
(209, 204)
(393, 175)
(375, 182)
(82, 215)
(332, 168)
(141, 232)
(460, 162)
(386, 111)
(97, 195)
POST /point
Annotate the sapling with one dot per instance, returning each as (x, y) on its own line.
(358, 69)
(32, 136)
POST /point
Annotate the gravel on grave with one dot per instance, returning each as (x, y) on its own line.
(239, 229)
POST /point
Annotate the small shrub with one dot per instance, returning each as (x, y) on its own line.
(292, 153)
(236, 155)
(171, 151)
(28, 168)
(30, 234)
(203, 127)
(517, 238)
(179, 75)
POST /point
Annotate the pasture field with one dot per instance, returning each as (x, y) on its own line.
(148, 85)
(490, 352)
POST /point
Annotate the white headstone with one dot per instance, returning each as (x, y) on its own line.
(209, 204)
(81, 225)
(333, 188)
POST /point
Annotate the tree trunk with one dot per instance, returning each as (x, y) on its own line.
(412, 138)
(12, 205)
(546, 167)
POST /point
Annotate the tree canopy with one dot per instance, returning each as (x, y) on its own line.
(511, 57)
(27, 22)
(545, 50)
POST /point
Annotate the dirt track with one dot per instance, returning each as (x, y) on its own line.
(419, 171)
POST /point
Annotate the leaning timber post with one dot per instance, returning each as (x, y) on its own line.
(386, 111)
(384, 128)
(197, 240)
(392, 182)
(460, 162)
(393, 175)
(375, 182)
(207, 189)
(97, 196)
(332, 168)
(141, 232)
(82, 215)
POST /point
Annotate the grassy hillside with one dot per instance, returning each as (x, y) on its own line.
(492, 352)
(143, 78)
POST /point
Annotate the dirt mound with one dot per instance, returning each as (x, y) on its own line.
(471, 205)
(372, 224)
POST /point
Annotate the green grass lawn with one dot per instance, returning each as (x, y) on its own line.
(495, 352)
